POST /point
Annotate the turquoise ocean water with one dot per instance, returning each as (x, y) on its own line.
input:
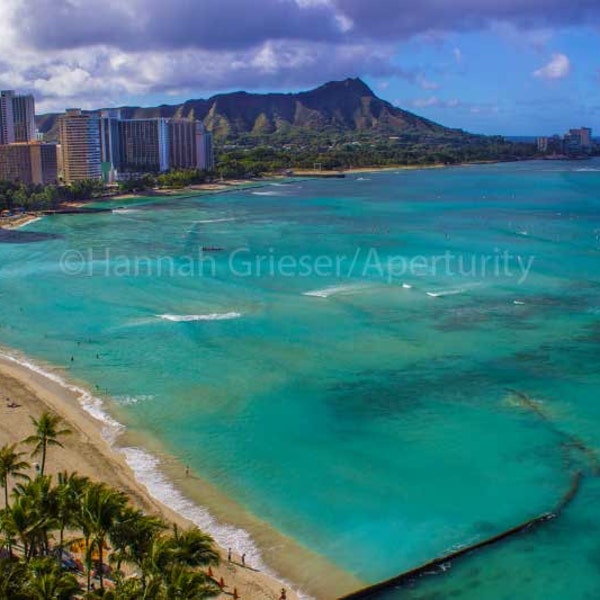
(349, 366)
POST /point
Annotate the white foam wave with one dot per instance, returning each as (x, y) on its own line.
(363, 179)
(445, 293)
(146, 469)
(587, 170)
(222, 220)
(91, 404)
(206, 317)
(125, 211)
(518, 302)
(454, 291)
(130, 400)
(335, 290)
(272, 193)
(406, 286)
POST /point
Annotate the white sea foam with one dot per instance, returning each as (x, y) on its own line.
(146, 469)
(336, 290)
(125, 211)
(272, 193)
(222, 220)
(518, 302)
(206, 317)
(406, 286)
(363, 179)
(130, 400)
(454, 291)
(446, 293)
(91, 404)
(587, 170)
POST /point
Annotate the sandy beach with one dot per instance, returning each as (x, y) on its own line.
(17, 221)
(88, 453)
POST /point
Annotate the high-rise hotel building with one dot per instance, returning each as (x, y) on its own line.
(17, 117)
(22, 158)
(29, 163)
(190, 145)
(7, 123)
(80, 145)
(155, 145)
(144, 146)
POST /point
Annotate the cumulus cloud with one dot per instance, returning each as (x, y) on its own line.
(217, 24)
(80, 52)
(558, 68)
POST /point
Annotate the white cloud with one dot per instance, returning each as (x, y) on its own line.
(558, 68)
(423, 102)
(425, 83)
(432, 101)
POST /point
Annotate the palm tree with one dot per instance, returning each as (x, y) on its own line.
(69, 491)
(184, 584)
(23, 524)
(101, 508)
(13, 577)
(38, 498)
(194, 548)
(156, 561)
(11, 465)
(48, 582)
(46, 433)
(132, 536)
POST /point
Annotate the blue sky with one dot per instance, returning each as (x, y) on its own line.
(510, 67)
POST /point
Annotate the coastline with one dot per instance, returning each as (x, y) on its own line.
(19, 221)
(102, 449)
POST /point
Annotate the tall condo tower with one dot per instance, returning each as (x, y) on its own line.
(80, 145)
(7, 122)
(23, 108)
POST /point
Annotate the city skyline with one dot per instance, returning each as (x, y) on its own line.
(514, 68)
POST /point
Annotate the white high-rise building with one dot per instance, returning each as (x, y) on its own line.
(7, 122)
(80, 145)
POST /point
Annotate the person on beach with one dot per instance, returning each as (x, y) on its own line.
(283, 595)
(228, 554)
(187, 470)
(243, 560)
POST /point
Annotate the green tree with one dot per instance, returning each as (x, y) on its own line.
(132, 536)
(47, 432)
(101, 508)
(193, 548)
(184, 584)
(69, 491)
(11, 465)
(47, 581)
(38, 498)
(13, 578)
